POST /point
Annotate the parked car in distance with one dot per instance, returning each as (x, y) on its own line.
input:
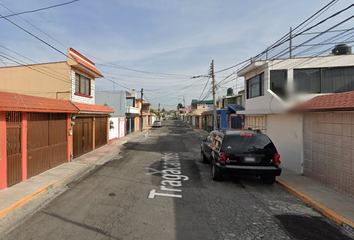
(157, 123)
(241, 152)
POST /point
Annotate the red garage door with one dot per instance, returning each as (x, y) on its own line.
(46, 142)
(101, 131)
(83, 136)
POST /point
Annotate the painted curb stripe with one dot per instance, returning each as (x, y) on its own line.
(319, 206)
(23, 201)
(33, 195)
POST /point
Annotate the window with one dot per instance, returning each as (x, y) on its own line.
(130, 102)
(307, 80)
(278, 80)
(82, 85)
(255, 86)
(324, 80)
(247, 144)
(335, 80)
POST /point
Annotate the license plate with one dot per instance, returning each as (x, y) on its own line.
(249, 159)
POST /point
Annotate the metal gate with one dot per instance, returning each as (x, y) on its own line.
(82, 136)
(46, 142)
(13, 139)
(101, 131)
(236, 122)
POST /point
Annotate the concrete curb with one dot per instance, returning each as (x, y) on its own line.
(23, 201)
(4, 212)
(319, 206)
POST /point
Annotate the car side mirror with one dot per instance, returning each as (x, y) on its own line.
(202, 139)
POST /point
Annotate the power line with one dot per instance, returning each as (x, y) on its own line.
(135, 70)
(285, 38)
(204, 88)
(36, 10)
(41, 40)
(115, 65)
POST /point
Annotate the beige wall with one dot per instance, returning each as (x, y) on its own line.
(286, 132)
(329, 149)
(43, 80)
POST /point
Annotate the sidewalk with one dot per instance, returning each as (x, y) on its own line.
(335, 205)
(20, 194)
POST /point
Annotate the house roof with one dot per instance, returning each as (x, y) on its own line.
(90, 108)
(147, 104)
(20, 102)
(82, 60)
(333, 102)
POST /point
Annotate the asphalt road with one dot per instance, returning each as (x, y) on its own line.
(158, 189)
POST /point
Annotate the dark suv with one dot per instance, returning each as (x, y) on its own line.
(241, 152)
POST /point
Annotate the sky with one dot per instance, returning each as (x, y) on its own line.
(157, 45)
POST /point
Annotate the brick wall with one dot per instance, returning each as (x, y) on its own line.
(329, 150)
(81, 99)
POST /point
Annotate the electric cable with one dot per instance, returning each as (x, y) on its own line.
(36, 10)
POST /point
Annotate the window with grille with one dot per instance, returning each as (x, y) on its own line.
(255, 86)
(82, 85)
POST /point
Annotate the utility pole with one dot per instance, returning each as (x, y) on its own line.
(290, 42)
(158, 112)
(141, 110)
(214, 91)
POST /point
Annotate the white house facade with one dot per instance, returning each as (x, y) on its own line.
(272, 87)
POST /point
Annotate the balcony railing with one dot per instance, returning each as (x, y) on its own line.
(132, 110)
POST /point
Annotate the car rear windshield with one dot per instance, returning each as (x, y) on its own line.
(246, 143)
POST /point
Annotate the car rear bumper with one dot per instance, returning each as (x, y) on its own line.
(250, 170)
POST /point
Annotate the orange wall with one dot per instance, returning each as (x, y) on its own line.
(137, 123)
(43, 80)
(3, 163)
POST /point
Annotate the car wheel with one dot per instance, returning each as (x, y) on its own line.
(268, 179)
(215, 173)
(203, 157)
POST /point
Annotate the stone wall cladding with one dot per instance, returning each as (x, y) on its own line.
(329, 150)
(81, 99)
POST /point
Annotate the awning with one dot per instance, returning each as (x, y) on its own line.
(26, 103)
(233, 108)
(90, 108)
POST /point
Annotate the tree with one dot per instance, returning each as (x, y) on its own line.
(163, 110)
(179, 105)
(153, 111)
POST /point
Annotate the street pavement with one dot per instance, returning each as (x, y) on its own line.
(155, 187)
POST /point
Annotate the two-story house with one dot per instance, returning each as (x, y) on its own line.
(275, 86)
(148, 117)
(48, 116)
(197, 108)
(132, 112)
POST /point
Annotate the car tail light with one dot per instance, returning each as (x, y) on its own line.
(222, 158)
(277, 161)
